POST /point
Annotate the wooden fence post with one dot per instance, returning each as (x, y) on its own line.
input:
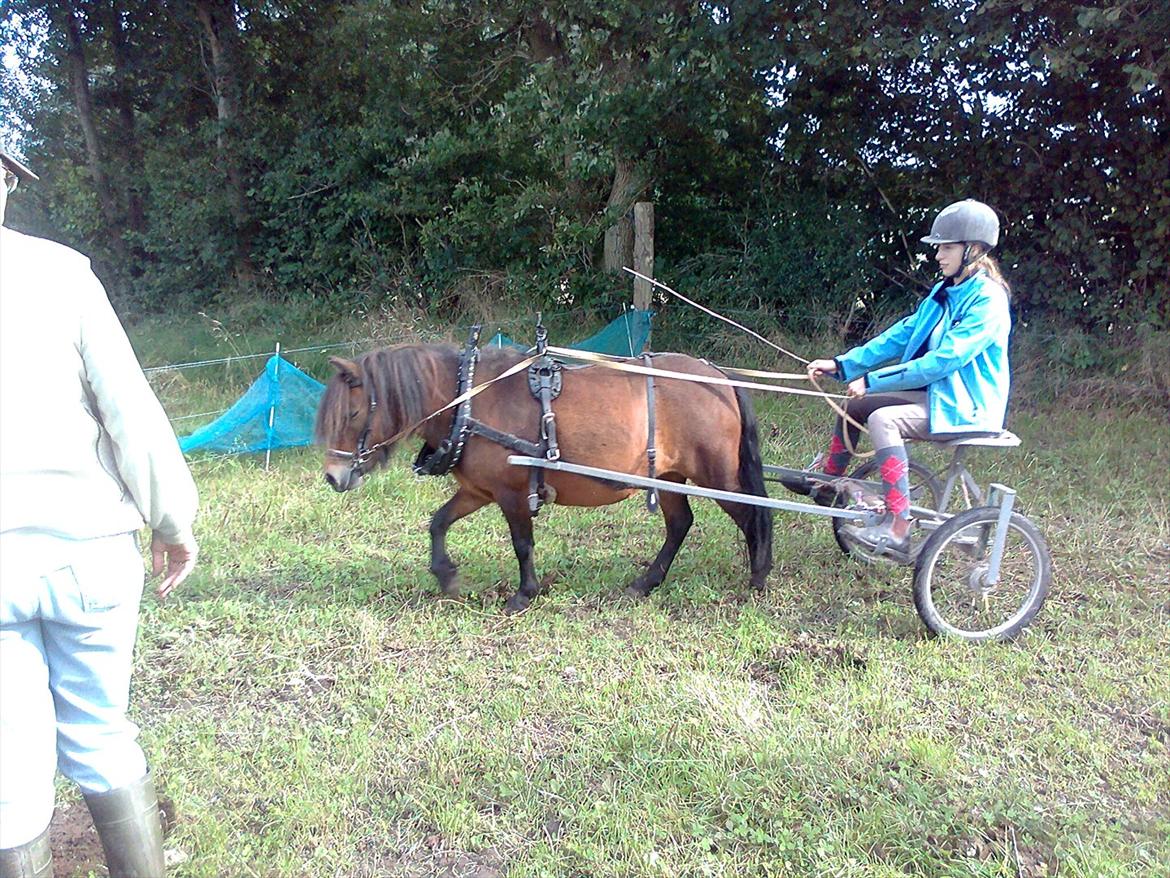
(643, 253)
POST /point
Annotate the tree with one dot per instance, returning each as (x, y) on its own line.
(122, 99)
(794, 150)
(1054, 113)
(221, 31)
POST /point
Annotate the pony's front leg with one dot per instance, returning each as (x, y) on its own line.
(678, 516)
(463, 503)
(520, 524)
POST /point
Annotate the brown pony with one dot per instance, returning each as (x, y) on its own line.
(705, 433)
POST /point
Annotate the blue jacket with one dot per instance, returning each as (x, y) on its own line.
(965, 370)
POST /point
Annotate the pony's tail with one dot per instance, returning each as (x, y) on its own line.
(757, 523)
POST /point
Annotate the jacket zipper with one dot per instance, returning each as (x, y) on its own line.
(967, 387)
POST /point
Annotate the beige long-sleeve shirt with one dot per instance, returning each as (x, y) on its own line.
(85, 448)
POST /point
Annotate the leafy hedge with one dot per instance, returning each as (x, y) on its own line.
(795, 152)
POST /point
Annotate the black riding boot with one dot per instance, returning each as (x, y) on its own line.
(128, 823)
(29, 860)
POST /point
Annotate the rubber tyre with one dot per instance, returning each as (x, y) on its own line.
(951, 561)
(924, 485)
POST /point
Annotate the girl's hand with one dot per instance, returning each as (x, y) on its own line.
(818, 368)
(856, 388)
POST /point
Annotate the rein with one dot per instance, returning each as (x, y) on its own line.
(618, 363)
(828, 397)
(363, 453)
(845, 416)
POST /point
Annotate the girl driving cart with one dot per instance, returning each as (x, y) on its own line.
(940, 373)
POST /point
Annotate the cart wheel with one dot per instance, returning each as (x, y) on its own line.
(950, 587)
(925, 490)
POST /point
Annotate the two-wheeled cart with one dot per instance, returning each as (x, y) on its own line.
(979, 574)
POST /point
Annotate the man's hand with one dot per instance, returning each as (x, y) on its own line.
(178, 559)
(856, 388)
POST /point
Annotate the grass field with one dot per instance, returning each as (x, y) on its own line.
(313, 707)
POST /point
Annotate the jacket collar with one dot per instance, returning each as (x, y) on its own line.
(947, 290)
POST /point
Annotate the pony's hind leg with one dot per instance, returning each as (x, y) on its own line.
(463, 503)
(515, 509)
(756, 524)
(676, 510)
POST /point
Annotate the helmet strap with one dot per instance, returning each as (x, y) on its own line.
(968, 258)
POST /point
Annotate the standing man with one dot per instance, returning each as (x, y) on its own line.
(86, 456)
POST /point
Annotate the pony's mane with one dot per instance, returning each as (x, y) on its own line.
(401, 379)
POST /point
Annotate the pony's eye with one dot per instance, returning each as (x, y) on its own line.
(353, 414)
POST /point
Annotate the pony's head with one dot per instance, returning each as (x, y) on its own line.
(345, 422)
(368, 405)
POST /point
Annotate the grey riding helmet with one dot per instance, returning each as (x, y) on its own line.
(964, 221)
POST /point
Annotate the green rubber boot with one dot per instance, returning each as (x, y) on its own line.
(30, 860)
(128, 823)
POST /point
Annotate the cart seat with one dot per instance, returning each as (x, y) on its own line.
(1006, 439)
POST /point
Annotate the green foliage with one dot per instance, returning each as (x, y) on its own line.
(795, 152)
(1027, 106)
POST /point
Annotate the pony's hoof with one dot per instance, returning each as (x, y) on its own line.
(448, 579)
(517, 603)
(638, 590)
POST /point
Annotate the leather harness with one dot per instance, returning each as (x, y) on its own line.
(437, 461)
(545, 382)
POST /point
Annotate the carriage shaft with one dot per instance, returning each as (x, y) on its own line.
(692, 490)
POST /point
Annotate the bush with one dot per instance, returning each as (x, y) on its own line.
(1122, 368)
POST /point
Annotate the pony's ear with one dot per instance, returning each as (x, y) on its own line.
(349, 371)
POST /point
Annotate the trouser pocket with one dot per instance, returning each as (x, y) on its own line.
(106, 573)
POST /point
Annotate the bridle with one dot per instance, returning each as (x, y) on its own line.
(358, 457)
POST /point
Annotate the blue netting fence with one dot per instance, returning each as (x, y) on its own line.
(624, 337)
(280, 408)
(277, 411)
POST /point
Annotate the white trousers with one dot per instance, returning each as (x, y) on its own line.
(66, 648)
(893, 423)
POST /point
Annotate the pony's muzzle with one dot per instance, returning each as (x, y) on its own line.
(343, 481)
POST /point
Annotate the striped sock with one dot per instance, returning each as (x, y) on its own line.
(894, 466)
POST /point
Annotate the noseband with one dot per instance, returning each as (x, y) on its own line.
(363, 453)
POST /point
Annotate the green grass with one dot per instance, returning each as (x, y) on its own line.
(314, 707)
